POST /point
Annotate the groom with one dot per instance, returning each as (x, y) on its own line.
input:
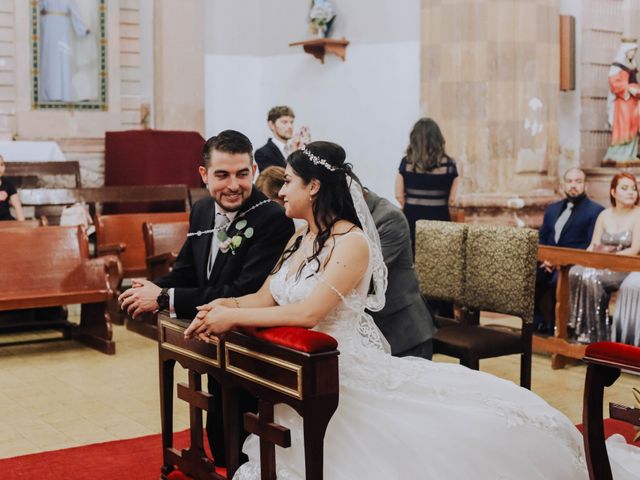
(249, 234)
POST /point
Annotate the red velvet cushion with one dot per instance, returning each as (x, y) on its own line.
(298, 338)
(615, 352)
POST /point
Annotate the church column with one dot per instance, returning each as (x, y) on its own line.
(179, 65)
(490, 78)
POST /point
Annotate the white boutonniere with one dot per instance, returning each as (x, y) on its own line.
(233, 243)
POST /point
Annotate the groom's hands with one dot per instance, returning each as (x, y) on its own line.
(140, 298)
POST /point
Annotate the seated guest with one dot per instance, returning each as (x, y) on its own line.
(8, 197)
(276, 150)
(405, 320)
(567, 223)
(617, 231)
(626, 316)
(270, 182)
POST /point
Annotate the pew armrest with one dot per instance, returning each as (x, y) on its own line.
(109, 265)
(163, 259)
(111, 249)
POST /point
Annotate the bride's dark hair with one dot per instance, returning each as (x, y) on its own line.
(333, 201)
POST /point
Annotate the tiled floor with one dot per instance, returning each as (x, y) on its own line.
(62, 394)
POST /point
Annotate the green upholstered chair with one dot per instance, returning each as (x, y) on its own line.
(439, 262)
(500, 271)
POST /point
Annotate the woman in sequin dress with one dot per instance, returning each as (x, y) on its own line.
(617, 231)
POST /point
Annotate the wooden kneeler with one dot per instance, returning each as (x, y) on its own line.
(604, 362)
(288, 365)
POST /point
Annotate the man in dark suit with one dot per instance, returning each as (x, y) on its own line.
(276, 150)
(405, 320)
(211, 265)
(567, 223)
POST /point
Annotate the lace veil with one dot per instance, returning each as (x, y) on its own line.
(376, 298)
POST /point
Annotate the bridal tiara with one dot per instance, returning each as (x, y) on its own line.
(317, 160)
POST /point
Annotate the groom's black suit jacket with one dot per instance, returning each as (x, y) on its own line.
(233, 274)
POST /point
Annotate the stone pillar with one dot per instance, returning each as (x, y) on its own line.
(179, 65)
(490, 78)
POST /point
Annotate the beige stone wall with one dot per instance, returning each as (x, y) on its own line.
(490, 78)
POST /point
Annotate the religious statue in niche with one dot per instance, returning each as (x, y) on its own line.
(623, 108)
(68, 51)
(321, 17)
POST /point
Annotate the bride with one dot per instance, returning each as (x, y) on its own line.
(398, 418)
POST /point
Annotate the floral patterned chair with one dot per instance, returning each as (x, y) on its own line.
(498, 275)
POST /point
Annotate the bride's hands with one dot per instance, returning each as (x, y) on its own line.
(211, 320)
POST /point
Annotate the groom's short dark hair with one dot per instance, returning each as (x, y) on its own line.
(229, 141)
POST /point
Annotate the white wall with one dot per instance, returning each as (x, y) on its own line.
(367, 104)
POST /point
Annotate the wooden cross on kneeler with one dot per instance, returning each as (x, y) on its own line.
(198, 358)
(270, 433)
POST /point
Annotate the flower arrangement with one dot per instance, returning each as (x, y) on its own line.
(233, 243)
(321, 17)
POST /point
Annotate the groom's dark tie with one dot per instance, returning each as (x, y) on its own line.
(220, 223)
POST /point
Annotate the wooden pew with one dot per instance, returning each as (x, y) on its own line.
(46, 198)
(196, 194)
(20, 172)
(563, 349)
(162, 242)
(41, 222)
(121, 235)
(269, 366)
(49, 267)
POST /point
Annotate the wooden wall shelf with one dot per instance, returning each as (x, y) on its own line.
(321, 46)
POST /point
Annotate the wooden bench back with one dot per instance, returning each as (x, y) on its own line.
(18, 170)
(42, 222)
(127, 229)
(164, 237)
(42, 259)
(163, 242)
(49, 201)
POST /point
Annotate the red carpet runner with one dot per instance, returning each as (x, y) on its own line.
(134, 459)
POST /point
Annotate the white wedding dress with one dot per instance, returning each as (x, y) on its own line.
(409, 418)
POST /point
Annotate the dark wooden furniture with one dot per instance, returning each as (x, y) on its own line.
(196, 194)
(41, 222)
(294, 366)
(121, 235)
(20, 173)
(162, 243)
(562, 349)
(49, 267)
(479, 268)
(49, 201)
(604, 362)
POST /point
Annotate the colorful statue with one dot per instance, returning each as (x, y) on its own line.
(622, 108)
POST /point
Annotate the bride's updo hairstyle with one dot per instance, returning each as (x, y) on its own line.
(324, 161)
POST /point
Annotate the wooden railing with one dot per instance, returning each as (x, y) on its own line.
(563, 349)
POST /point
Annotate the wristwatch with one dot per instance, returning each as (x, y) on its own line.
(163, 299)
